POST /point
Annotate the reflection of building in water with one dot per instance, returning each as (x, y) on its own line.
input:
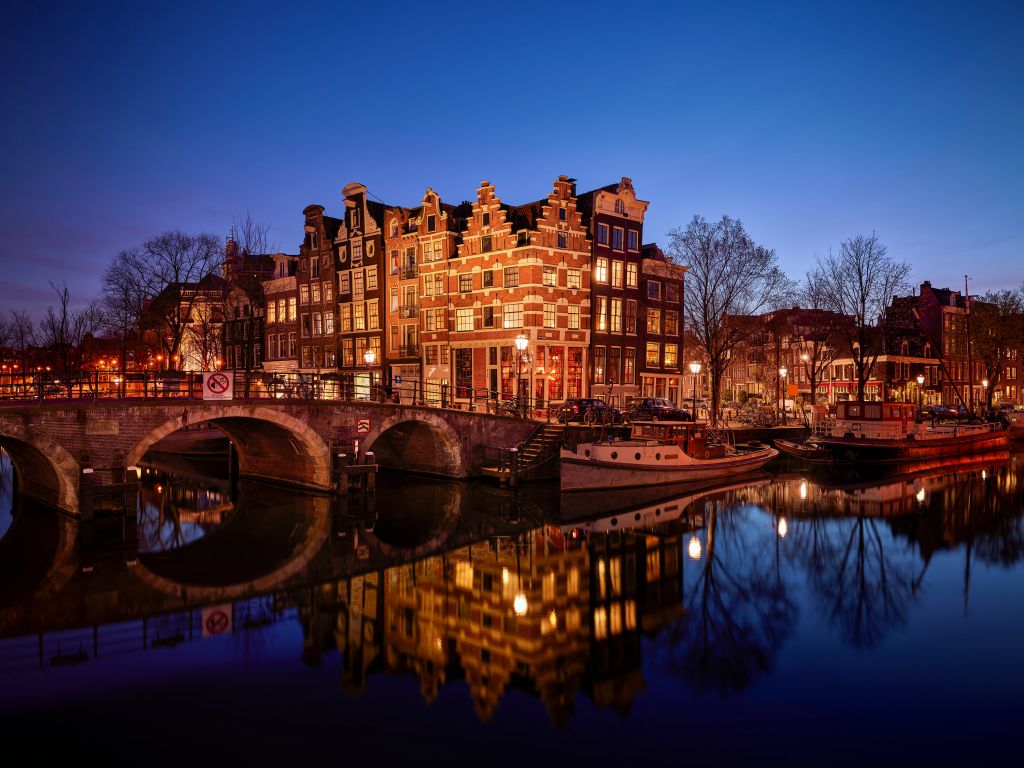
(175, 510)
(541, 611)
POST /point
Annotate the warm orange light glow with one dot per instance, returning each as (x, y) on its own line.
(694, 549)
(782, 528)
(519, 604)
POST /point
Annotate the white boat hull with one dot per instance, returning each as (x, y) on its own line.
(580, 472)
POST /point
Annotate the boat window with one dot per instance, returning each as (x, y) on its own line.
(852, 411)
(872, 411)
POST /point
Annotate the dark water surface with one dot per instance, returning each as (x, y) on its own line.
(789, 619)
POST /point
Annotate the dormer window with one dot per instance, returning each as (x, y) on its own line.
(355, 218)
(486, 219)
(431, 223)
(620, 207)
(394, 228)
(485, 243)
(561, 213)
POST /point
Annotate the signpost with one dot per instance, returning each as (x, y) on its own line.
(217, 620)
(362, 426)
(218, 385)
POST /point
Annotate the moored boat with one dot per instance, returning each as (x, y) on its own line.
(657, 453)
(889, 433)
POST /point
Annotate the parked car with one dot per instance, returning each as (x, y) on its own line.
(656, 409)
(588, 410)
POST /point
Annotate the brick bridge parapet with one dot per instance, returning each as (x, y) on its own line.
(55, 445)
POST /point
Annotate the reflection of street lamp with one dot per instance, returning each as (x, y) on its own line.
(695, 370)
(694, 548)
(522, 342)
(782, 382)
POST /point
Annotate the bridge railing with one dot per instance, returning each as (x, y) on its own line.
(92, 386)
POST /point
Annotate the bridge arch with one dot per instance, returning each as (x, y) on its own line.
(44, 469)
(418, 441)
(270, 444)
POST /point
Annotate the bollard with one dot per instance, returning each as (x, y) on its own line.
(513, 471)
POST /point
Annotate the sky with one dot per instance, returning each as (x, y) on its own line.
(811, 122)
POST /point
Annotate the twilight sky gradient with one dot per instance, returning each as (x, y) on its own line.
(811, 121)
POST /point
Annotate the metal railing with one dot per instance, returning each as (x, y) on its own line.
(408, 311)
(149, 385)
(407, 271)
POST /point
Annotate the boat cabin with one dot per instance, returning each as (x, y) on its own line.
(691, 437)
(874, 419)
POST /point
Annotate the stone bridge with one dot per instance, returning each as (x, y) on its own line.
(58, 447)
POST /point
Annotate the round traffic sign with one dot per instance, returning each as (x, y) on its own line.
(218, 383)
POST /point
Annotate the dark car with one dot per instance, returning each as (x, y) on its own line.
(589, 410)
(656, 409)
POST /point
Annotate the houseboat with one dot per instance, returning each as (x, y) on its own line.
(889, 433)
(657, 453)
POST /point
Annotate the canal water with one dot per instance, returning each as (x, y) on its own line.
(790, 618)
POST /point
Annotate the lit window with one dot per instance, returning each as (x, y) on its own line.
(463, 575)
(464, 319)
(671, 355)
(574, 318)
(551, 276)
(616, 274)
(654, 321)
(615, 324)
(631, 276)
(600, 623)
(601, 270)
(512, 316)
(304, 294)
(653, 354)
(549, 315)
(573, 279)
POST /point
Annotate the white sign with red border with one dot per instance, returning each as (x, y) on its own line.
(217, 620)
(362, 426)
(218, 385)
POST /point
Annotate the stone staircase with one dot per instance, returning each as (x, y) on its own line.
(538, 455)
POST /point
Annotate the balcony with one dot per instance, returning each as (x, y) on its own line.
(407, 272)
(409, 311)
(409, 350)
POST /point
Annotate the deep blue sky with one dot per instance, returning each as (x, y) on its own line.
(809, 121)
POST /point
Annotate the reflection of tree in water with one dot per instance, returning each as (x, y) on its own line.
(165, 522)
(738, 612)
(863, 589)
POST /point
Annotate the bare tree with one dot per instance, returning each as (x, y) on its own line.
(6, 335)
(253, 237)
(860, 283)
(124, 302)
(817, 328)
(170, 267)
(997, 330)
(729, 280)
(62, 330)
(23, 335)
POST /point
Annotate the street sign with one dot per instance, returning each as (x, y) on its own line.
(398, 379)
(218, 385)
(362, 426)
(217, 620)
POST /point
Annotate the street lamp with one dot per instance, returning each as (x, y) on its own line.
(782, 380)
(920, 391)
(370, 357)
(695, 370)
(984, 386)
(522, 342)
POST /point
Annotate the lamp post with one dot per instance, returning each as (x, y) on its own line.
(695, 370)
(920, 391)
(782, 382)
(984, 389)
(370, 357)
(522, 342)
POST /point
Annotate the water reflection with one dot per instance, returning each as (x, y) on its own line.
(178, 509)
(468, 585)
